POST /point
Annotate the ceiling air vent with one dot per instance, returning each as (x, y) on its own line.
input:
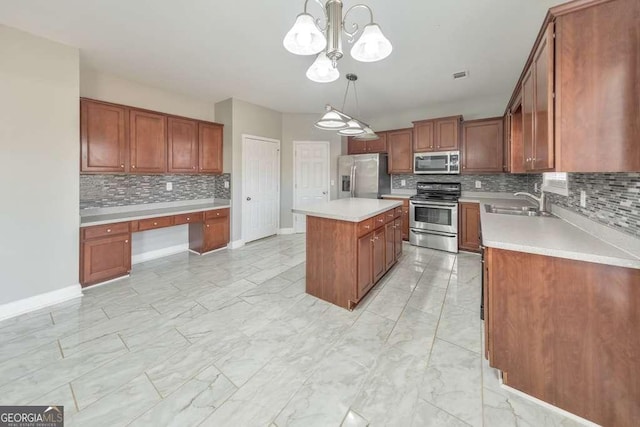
(460, 75)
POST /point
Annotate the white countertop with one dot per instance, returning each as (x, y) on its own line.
(352, 210)
(100, 216)
(397, 196)
(550, 236)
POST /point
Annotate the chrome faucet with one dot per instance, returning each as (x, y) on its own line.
(541, 200)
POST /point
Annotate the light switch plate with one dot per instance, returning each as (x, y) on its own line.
(169, 186)
(403, 182)
(333, 182)
(583, 199)
(535, 187)
(226, 184)
(478, 184)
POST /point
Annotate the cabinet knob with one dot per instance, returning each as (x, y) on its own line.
(155, 223)
(194, 167)
(367, 227)
(188, 219)
(208, 226)
(217, 213)
(372, 240)
(121, 166)
(126, 241)
(108, 230)
(133, 166)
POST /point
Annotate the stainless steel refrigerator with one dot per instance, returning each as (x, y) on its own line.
(363, 175)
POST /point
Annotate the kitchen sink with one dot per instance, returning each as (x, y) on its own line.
(516, 210)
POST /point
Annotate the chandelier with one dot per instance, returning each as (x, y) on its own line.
(334, 119)
(307, 37)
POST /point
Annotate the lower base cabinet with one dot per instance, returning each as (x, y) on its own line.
(566, 332)
(469, 226)
(404, 216)
(105, 258)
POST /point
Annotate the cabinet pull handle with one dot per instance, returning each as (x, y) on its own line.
(372, 240)
(367, 227)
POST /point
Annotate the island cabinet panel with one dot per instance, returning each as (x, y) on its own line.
(346, 259)
(103, 139)
(566, 332)
(403, 213)
(182, 145)
(482, 145)
(397, 238)
(147, 141)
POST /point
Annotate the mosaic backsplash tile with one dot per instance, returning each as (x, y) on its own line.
(101, 191)
(490, 183)
(613, 199)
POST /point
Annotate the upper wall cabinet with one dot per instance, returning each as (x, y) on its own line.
(482, 145)
(437, 134)
(579, 102)
(102, 137)
(210, 147)
(360, 146)
(400, 152)
(117, 138)
(148, 142)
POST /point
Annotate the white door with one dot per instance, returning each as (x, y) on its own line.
(260, 187)
(311, 178)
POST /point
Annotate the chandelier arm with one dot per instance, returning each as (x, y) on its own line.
(317, 20)
(355, 26)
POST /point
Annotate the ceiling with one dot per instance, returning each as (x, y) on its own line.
(216, 49)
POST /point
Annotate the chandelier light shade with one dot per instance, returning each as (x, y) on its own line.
(353, 128)
(322, 71)
(332, 120)
(304, 38)
(372, 45)
(309, 37)
(368, 134)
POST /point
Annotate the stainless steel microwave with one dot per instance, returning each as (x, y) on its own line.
(443, 162)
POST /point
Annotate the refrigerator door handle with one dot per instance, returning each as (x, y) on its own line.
(353, 182)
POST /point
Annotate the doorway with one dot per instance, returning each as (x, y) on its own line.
(260, 187)
(310, 177)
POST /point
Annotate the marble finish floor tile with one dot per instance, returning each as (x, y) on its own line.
(232, 339)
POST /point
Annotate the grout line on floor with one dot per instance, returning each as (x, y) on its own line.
(52, 320)
(124, 343)
(105, 313)
(73, 394)
(183, 335)
(153, 385)
(60, 348)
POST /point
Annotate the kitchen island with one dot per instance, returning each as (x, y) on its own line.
(351, 244)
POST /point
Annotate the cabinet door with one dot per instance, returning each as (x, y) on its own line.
(379, 254)
(482, 144)
(506, 138)
(216, 234)
(543, 147)
(148, 142)
(423, 136)
(105, 258)
(182, 145)
(469, 237)
(397, 237)
(405, 223)
(527, 120)
(400, 151)
(378, 145)
(103, 137)
(390, 249)
(446, 134)
(356, 146)
(365, 267)
(210, 147)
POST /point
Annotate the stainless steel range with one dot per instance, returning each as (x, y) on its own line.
(433, 216)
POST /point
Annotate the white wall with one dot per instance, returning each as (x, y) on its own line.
(108, 87)
(39, 122)
(300, 127)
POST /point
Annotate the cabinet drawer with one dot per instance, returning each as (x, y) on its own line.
(187, 218)
(151, 223)
(397, 212)
(380, 220)
(390, 215)
(218, 213)
(365, 227)
(105, 230)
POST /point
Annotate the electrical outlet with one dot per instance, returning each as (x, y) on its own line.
(478, 184)
(403, 182)
(169, 186)
(583, 199)
(226, 184)
(333, 182)
(535, 187)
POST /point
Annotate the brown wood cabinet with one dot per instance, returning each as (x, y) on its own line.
(482, 146)
(211, 234)
(398, 237)
(210, 148)
(105, 253)
(182, 145)
(404, 217)
(442, 134)
(469, 227)
(566, 332)
(359, 146)
(147, 142)
(400, 151)
(579, 90)
(103, 139)
(346, 259)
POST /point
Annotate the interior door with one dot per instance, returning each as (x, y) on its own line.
(311, 178)
(261, 188)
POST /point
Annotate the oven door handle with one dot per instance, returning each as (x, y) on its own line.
(437, 233)
(437, 205)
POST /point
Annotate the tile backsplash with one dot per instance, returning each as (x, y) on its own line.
(613, 199)
(489, 183)
(101, 191)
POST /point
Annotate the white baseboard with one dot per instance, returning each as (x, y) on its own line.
(286, 231)
(148, 256)
(37, 302)
(236, 244)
